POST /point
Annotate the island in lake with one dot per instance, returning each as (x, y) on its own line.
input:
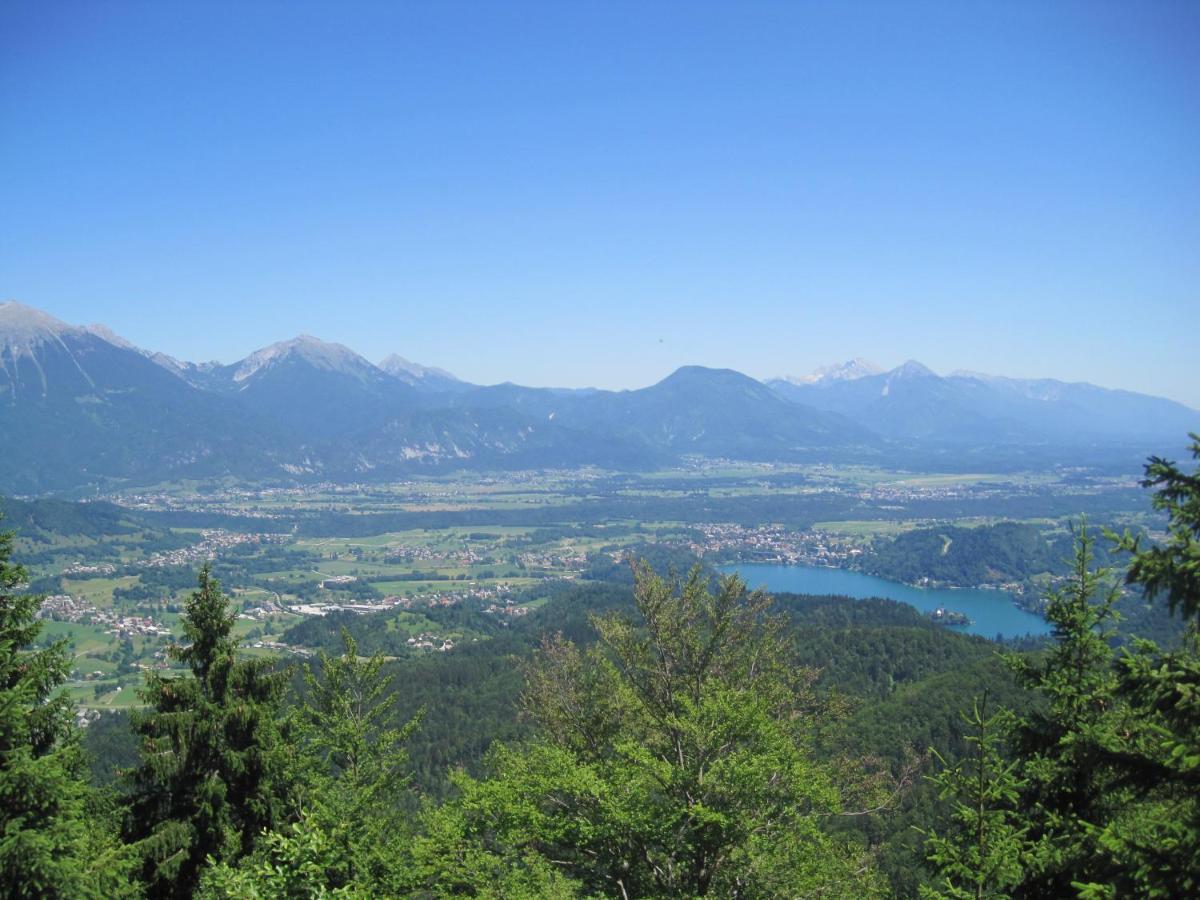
(944, 616)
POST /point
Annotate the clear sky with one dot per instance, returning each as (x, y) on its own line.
(580, 194)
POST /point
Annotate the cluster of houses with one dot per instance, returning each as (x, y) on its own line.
(66, 608)
(452, 598)
(482, 595)
(569, 558)
(265, 610)
(276, 645)
(211, 543)
(85, 717)
(774, 543)
(413, 553)
(508, 608)
(228, 502)
(324, 609)
(427, 641)
(80, 570)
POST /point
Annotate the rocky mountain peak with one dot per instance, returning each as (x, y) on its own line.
(845, 371)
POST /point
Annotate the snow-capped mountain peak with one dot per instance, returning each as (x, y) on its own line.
(845, 371)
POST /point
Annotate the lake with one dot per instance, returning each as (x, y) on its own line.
(991, 612)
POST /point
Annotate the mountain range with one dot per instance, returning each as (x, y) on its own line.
(84, 408)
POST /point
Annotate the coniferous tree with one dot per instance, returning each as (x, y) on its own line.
(1109, 762)
(1157, 840)
(214, 771)
(1068, 779)
(348, 724)
(981, 854)
(50, 843)
(348, 839)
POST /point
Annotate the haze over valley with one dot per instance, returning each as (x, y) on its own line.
(565, 451)
(99, 412)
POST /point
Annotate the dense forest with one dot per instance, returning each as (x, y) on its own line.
(1008, 551)
(650, 733)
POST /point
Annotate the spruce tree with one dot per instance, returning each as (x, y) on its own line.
(980, 855)
(1070, 787)
(48, 845)
(351, 832)
(348, 725)
(1157, 839)
(214, 771)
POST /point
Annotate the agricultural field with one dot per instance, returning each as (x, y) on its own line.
(452, 558)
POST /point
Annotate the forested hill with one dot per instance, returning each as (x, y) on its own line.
(1031, 556)
(38, 520)
(964, 557)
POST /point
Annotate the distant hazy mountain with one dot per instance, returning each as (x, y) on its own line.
(314, 388)
(419, 376)
(78, 408)
(694, 411)
(847, 371)
(83, 407)
(912, 403)
(719, 413)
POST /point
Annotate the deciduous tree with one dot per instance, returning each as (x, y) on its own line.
(675, 758)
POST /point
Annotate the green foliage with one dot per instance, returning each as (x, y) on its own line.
(1158, 841)
(982, 856)
(354, 792)
(41, 520)
(350, 836)
(1062, 745)
(214, 772)
(1106, 765)
(922, 714)
(674, 757)
(290, 865)
(449, 859)
(52, 842)
(1173, 568)
(1008, 551)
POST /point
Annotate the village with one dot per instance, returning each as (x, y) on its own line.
(211, 544)
(773, 543)
(66, 608)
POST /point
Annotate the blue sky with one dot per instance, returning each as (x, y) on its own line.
(593, 194)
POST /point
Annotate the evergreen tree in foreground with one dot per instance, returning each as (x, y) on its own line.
(1070, 788)
(214, 770)
(49, 845)
(981, 855)
(350, 834)
(348, 726)
(1158, 842)
(1108, 766)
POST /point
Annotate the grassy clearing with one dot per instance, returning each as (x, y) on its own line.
(98, 591)
(865, 529)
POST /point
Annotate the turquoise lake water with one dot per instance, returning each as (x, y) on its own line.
(991, 612)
